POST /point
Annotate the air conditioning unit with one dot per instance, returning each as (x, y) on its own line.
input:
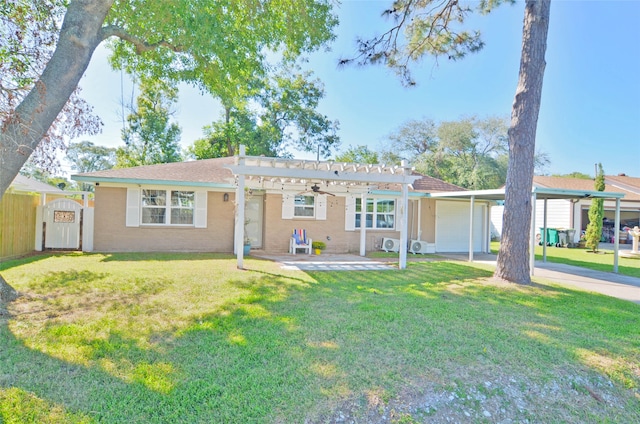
(419, 246)
(390, 245)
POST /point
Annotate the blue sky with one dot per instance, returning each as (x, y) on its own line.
(590, 103)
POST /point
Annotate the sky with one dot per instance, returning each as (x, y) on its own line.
(590, 111)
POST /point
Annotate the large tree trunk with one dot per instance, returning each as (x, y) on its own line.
(7, 293)
(21, 133)
(513, 258)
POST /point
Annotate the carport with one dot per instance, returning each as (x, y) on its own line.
(537, 193)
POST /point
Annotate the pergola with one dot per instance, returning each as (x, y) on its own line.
(536, 193)
(365, 177)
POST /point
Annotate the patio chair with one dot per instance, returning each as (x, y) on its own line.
(299, 240)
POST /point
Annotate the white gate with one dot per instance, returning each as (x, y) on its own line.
(62, 218)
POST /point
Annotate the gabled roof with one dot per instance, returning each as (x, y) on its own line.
(567, 183)
(624, 182)
(214, 173)
(22, 183)
(207, 172)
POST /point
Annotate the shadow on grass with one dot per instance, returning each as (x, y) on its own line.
(289, 350)
(35, 257)
(162, 256)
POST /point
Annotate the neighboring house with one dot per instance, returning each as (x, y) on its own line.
(190, 206)
(18, 215)
(573, 213)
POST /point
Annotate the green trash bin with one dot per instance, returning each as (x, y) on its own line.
(552, 236)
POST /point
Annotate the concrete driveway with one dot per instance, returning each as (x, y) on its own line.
(608, 283)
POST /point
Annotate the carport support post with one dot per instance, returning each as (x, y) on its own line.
(616, 244)
(471, 206)
(532, 234)
(239, 232)
(363, 225)
(544, 225)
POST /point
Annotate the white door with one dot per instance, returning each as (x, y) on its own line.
(62, 218)
(452, 226)
(253, 220)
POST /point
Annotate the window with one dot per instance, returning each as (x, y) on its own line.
(304, 206)
(177, 211)
(379, 213)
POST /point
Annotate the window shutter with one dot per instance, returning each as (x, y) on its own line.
(321, 207)
(350, 213)
(287, 206)
(133, 207)
(200, 210)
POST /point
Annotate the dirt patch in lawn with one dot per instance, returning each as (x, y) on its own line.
(574, 396)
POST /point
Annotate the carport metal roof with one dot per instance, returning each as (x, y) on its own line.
(545, 194)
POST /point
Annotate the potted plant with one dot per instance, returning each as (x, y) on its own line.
(247, 245)
(318, 246)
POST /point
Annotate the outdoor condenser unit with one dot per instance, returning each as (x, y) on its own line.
(390, 245)
(419, 246)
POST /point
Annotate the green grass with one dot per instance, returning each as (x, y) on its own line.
(602, 261)
(164, 338)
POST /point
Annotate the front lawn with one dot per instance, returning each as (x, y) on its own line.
(164, 338)
(601, 261)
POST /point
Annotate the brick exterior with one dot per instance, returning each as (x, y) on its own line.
(111, 234)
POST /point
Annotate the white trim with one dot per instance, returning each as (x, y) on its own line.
(200, 209)
(288, 206)
(134, 197)
(350, 213)
(321, 207)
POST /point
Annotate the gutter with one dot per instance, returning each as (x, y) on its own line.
(136, 181)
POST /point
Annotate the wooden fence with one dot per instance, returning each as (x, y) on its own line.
(17, 224)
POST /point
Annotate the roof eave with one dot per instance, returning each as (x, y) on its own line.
(94, 179)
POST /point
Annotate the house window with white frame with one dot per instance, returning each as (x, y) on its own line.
(304, 206)
(379, 213)
(167, 207)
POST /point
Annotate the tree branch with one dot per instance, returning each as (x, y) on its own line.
(140, 44)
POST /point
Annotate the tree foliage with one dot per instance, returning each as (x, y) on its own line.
(422, 28)
(596, 213)
(28, 36)
(574, 174)
(283, 115)
(150, 137)
(358, 154)
(203, 42)
(84, 156)
(290, 117)
(470, 152)
(436, 28)
(222, 138)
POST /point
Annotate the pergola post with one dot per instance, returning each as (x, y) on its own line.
(239, 230)
(363, 225)
(402, 264)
